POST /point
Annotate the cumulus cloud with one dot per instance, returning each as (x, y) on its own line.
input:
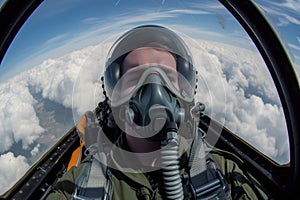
(18, 118)
(242, 96)
(87, 90)
(12, 168)
(55, 80)
(72, 80)
(35, 150)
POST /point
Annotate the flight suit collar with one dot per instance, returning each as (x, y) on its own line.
(122, 159)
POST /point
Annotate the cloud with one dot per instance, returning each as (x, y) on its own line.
(295, 47)
(54, 40)
(48, 10)
(117, 2)
(12, 168)
(92, 20)
(69, 80)
(177, 12)
(61, 76)
(290, 5)
(239, 92)
(35, 150)
(55, 80)
(18, 118)
(285, 11)
(211, 6)
(87, 91)
(260, 124)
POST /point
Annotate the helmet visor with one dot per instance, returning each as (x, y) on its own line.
(136, 77)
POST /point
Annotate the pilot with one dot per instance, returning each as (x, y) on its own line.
(143, 141)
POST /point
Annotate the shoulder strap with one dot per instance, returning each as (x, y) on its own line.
(197, 160)
(206, 179)
(92, 182)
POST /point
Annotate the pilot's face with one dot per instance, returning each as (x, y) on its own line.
(137, 61)
(147, 56)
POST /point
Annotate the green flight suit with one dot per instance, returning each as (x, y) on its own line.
(139, 186)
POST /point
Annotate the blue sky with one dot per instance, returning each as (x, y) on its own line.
(56, 24)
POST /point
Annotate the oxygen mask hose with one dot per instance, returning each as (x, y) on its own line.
(170, 164)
